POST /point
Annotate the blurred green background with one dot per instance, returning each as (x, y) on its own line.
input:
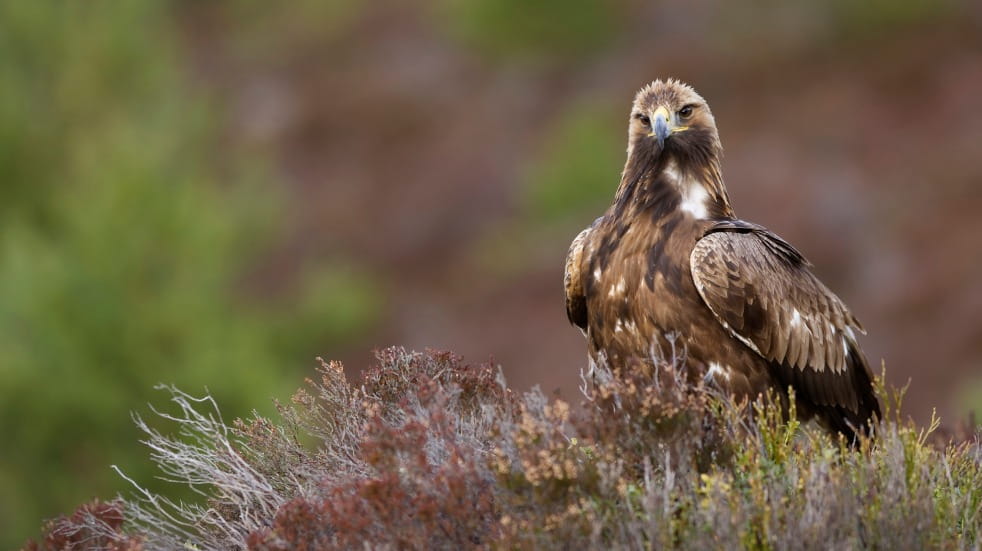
(211, 194)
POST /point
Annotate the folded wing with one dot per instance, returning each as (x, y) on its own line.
(573, 281)
(760, 288)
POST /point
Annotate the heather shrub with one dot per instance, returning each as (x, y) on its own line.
(428, 452)
(93, 525)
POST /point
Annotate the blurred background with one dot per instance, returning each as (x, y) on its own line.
(211, 194)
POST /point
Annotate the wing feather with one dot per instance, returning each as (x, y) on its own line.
(759, 286)
(573, 279)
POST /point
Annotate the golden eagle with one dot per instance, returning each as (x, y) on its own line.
(669, 260)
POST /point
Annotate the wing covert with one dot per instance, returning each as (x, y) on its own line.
(759, 287)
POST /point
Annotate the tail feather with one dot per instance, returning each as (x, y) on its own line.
(846, 420)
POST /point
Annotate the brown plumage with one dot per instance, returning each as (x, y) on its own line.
(669, 260)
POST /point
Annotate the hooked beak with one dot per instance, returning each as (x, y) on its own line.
(659, 125)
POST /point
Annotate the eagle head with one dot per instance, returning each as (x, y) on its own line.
(669, 118)
(673, 154)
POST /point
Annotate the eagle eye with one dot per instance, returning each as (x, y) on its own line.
(643, 118)
(686, 111)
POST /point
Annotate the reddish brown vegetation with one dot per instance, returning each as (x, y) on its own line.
(95, 525)
(420, 488)
(431, 453)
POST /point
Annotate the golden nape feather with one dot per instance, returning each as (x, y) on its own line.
(670, 260)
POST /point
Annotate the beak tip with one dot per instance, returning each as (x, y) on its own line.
(661, 129)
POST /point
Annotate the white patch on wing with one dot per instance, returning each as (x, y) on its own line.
(695, 200)
(597, 273)
(739, 337)
(619, 326)
(845, 346)
(795, 318)
(796, 321)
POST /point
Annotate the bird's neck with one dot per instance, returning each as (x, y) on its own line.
(661, 185)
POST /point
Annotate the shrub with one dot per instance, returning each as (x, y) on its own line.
(93, 525)
(429, 452)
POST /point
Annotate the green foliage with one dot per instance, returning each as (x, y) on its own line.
(335, 302)
(578, 171)
(428, 452)
(548, 29)
(120, 251)
(573, 176)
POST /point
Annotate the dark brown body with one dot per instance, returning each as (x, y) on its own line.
(645, 287)
(660, 313)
